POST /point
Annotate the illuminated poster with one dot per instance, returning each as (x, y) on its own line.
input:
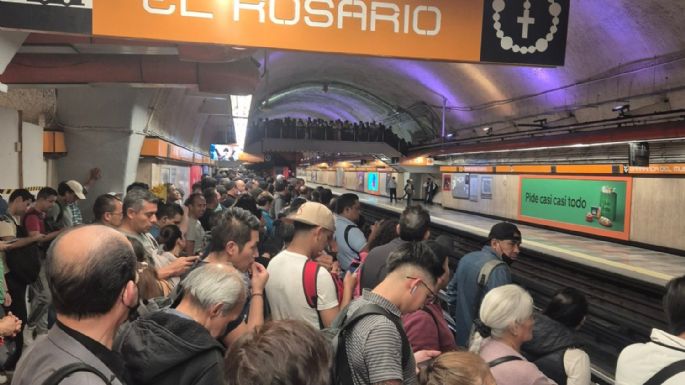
(372, 183)
(595, 205)
(447, 182)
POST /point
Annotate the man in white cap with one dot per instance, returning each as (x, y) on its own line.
(314, 228)
(61, 215)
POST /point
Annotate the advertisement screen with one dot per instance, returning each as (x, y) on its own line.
(594, 205)
(373, 182)
(224, 151)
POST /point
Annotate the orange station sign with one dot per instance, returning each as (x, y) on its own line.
(446, 30)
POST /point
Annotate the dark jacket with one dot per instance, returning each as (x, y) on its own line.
(546, 350)
(165, 348)
(54, 351)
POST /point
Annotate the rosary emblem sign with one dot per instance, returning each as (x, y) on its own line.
(518, 30)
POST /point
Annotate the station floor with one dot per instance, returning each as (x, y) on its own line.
(641, 264)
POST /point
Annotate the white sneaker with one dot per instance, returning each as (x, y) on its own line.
(3, 378)
(29, 336)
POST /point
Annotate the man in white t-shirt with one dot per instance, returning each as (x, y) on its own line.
(314, 229)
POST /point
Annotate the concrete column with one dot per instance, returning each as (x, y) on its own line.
(104, 128)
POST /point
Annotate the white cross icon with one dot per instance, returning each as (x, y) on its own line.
(526, 21)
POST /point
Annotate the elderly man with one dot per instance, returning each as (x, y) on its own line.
(179, 346)
(91, 272)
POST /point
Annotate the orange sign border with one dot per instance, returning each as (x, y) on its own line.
(622, 235)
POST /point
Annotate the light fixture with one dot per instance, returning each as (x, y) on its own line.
(622, 109)
(240, 109)
(449, 136)
(487, 130)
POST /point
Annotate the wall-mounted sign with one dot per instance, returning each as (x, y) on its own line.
(598, 206)
(460, 186)
(528, 32)
(446, 182)
(486, 187)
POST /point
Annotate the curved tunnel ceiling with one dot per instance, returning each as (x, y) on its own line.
(616, 50)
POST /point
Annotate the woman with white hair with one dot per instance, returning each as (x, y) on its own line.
(506, 322)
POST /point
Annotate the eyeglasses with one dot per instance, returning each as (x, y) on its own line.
(432, 294)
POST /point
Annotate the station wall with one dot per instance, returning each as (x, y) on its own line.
(657, 207)
(34, 168)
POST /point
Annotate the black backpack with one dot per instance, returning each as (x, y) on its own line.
(341, 373)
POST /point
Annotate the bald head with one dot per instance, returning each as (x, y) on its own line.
(87, 268)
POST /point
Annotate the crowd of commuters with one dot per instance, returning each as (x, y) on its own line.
(262, 280)
(319, 129)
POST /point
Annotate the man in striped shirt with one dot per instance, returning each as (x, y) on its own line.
(377, 348)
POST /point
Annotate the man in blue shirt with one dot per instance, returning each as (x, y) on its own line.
(465, 293)
(350, 239)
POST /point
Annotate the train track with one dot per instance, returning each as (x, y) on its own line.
(622, 310)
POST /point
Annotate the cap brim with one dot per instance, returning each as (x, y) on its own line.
(80, 195)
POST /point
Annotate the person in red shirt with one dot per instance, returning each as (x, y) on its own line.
(34, 223)
(427, 328)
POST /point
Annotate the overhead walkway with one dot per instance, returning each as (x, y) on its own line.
(324, 146)
(641, 264)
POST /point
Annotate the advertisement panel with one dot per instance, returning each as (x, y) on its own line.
(360, 181)
(596, 205)
(372, 184)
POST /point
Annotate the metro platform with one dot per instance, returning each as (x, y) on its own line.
(641, 264)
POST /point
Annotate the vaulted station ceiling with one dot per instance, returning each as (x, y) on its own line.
(618, 52)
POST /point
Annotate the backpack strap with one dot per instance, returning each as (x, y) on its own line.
(310, 273)
(60, 374)
(343, 372)
(347, 238)
(504, 359)
(666, 373)
(483, 277)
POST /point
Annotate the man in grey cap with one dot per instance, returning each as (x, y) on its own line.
(479, 272)
(314, 228)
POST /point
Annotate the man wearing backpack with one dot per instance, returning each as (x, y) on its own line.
(371, 346)
(661, 360)
(479, 272)
(91, 272)
(349, 237)
(295, 292)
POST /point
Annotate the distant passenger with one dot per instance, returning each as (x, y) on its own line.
(179, 345)
(375, 344)
(314, 227)
(91, 271)
(213, 207)
(349, 237)
(430, 189)
(555, 348)
(231, 194)
(479, 272)
(392, 189)
(408, 191)
(293, 352)
(108, 210)
(34, 222)
(456, 368)
(195, 236)
(167, 214)
(660, 361)
(427, 328)
(506, 322)
(414, 226)
(61, 215)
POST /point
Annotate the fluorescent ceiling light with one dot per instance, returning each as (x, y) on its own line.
(240, 109)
